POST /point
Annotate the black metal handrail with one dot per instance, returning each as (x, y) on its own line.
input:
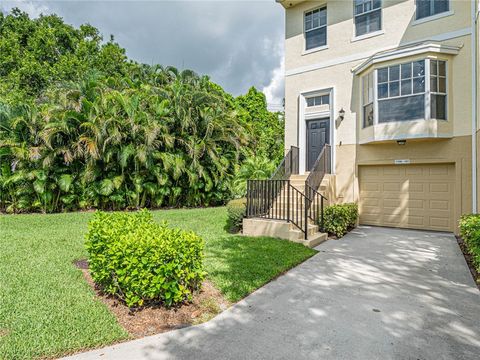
(321, 167)
(316, 204)
(277, 200)
(288, 166)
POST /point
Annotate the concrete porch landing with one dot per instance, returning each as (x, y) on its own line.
(283, 230)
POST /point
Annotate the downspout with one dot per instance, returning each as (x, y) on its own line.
(474, 105)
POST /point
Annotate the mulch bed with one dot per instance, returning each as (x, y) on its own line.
(468, 259)
(151, 320)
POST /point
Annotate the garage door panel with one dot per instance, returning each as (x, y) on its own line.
(440, 188)
(416, 221)
(411, 196)
(392, 186)
(393, 171)
(417, 187)
(439, 222)
(367, 186)
(439, 205)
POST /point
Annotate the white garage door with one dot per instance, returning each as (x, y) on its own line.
(408, 196)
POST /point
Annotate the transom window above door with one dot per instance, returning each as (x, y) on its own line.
(415, 90)
(426, 8)
(318, 100)
(316, 28)
(368, 16)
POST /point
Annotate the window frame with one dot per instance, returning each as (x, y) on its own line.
(318, 96)
(427, 92)
(321, 7)
(368, 78)
(355, 16)
(438, 92)
(432, 9)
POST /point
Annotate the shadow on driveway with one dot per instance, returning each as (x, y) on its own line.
(378, 293)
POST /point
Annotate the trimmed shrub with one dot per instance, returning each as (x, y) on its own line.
(236, 210)
(142, 262)
(340, 218)
(470, 232)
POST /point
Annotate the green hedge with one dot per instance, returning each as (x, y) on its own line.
(470, 232)
(142, 262)
(340, 218)
(236, 210)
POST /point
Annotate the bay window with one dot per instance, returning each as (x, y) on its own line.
(368, 100)
(415, 90)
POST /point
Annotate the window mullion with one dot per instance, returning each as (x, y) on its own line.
(427, 90)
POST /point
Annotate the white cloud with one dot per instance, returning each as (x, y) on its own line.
(274, 91)
(32, 8)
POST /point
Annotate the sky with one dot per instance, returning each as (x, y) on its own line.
(239, 44)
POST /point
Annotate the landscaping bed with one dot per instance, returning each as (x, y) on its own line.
(469, 260)
(47, 308)
(151, 320)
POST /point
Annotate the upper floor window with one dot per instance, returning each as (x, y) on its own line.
(368, 16)
(316, 28)
(411, 91)
(426, 8)
(318, 100)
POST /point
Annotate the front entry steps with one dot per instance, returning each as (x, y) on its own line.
(283, 230)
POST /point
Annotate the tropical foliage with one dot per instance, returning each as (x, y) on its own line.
(83, 127)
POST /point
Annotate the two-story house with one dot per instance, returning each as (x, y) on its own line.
(391, 86)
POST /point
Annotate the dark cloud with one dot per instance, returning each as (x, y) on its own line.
(238, 43)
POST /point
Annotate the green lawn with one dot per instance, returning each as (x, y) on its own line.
(47, 309)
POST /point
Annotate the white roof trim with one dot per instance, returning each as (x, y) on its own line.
(402, 52)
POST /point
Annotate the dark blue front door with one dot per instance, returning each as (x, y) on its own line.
(318, 134)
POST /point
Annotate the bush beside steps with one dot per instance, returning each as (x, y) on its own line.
(141, 262)
(236, 211)
(339, 219)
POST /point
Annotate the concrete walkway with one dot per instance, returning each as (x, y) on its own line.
(375, 294)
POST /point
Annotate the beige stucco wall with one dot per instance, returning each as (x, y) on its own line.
(334, 70)
(398, 17)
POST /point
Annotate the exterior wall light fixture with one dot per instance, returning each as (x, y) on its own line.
(401, 142)
(341, 114)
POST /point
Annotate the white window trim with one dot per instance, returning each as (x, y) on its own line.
(314, 50)
(427, 94)
(432, 17)
(367, 36)
(319, 48)
(370, 34)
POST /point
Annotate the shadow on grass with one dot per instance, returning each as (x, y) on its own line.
(391, 295)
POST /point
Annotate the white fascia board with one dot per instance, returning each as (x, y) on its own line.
(405, 52)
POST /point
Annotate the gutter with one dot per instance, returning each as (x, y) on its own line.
(474, 105)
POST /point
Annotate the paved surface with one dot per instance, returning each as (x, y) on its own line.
(376, 294)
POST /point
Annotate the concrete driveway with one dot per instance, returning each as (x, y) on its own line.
(375, 294)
